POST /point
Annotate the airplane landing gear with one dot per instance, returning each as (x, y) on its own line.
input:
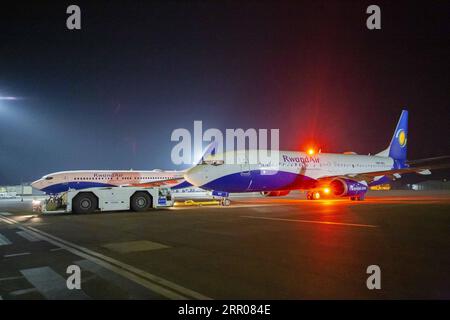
(313, 195)
(359, 197)
(223, 196)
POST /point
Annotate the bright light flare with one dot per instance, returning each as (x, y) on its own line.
(326, 190)
(311, 151)
(316, 195)
(8, 98)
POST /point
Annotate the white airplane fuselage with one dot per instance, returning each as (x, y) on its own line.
(293, 170)
(81, 179)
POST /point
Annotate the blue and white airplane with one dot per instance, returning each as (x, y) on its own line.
(339, 175)
(59, 182)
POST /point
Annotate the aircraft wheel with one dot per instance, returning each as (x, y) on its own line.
(140, 201)
(225, 202)
(316, 195)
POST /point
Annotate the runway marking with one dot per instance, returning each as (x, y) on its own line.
(56, 249)
(16, 254)
(134, 290)
(150, 281)
(51, 285)
(23, 291)
(268, 209)
(10, 278)
(134, 246)
(28, 236)
(315, 221)
(232, 206)
(4, 240)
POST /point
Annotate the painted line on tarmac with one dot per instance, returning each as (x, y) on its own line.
(23, 291)
(57, 249)
(135, 290)
(150, 281)
(4, 240)
(52, 285)
(315, 221)
(181, 207)
(16, 254)
(28, 236)
(10, 278)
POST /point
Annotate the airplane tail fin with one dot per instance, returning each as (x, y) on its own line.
(398, 146)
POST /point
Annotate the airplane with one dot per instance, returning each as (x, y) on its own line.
(59, 182)
(320, 174)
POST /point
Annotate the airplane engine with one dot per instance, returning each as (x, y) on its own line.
(275, 193)
(347, 188)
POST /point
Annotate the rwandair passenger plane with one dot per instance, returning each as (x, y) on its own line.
(58, 182)
(340, 175)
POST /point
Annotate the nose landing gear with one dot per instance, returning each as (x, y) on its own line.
(223, 196)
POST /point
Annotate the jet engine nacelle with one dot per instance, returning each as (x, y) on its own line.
(347, 188)
(275, 193)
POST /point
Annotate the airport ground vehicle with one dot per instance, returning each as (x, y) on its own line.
(106, 199)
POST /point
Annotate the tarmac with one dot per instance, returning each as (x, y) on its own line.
(257, 248)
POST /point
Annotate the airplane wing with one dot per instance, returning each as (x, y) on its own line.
(436, 162)
(422, 166)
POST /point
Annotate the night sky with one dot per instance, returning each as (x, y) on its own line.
(109, 96)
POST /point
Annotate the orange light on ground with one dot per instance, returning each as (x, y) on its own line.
(326, 190)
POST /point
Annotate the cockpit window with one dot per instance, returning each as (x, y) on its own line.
(215, 162)
(48, 178)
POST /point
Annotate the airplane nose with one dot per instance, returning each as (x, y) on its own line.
(196, 176)
(38, 184)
